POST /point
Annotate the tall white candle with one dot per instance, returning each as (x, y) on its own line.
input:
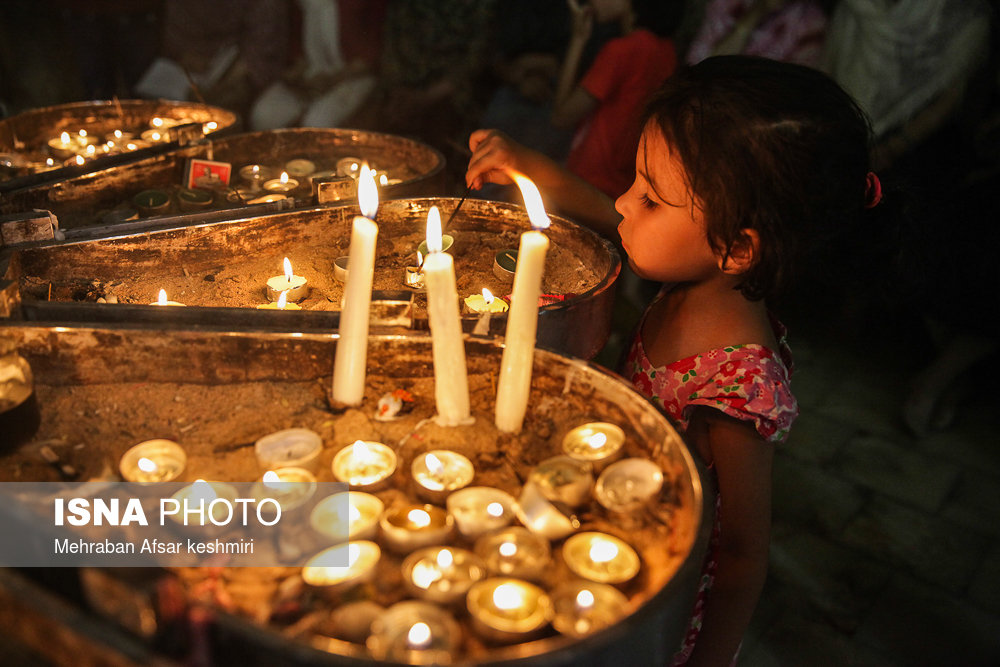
(514, 383)
(451, 383)
(352, 347)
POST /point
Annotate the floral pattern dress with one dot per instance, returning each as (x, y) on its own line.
(749, 382)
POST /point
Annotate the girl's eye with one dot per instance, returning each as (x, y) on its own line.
(647, 202)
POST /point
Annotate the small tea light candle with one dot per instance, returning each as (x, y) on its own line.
(628, 485)
(351, 515)
(439, 472)
(255, 174)
(300, 167)
(161, 300)
(447, 240)
(289, 487)
(342, 566)
(480, 509)
(153, 461)
(508, 610)
(63, 146)
(600, 557)
(155, 136)
(485, 303)
(349, 166)
(564, 479)
(514, 552)
(151, 202)
(364, 465)
(193, 199)
(291, 447)
(505, 265)
(281, 184)
(214, 498)
(598, 443)
(280, 304)
(408, 527)
(441, 574)
(415, 633)
(582, 608)
(267, 199)
(542, 516)
(340, 268)
(414, 275)
(296, 288)
(158, 123)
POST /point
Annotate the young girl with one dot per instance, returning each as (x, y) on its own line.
(745, 166)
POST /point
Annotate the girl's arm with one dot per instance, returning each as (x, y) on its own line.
(742, 462)
(563, 192)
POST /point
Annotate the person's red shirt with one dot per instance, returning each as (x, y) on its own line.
(626, 71)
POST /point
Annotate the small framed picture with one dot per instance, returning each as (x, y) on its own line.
(207, 174)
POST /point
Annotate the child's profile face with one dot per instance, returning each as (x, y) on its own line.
(662, 232)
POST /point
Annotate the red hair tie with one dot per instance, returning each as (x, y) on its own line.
(873, 190)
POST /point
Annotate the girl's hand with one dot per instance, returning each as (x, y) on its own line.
(582, 19)
(493, 152)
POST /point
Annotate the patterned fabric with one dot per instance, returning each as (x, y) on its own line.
(748, 382)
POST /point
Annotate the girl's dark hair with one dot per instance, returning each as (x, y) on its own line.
(774, 147)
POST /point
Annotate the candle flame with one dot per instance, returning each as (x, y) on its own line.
(434, 243)
(445, 559)
(353, 514)
(585, 599)
(131, 146)
(284, 177)
(419, 635)
(271, 479)
(202, 490)
(156, 122)
(282, 302)
(353, 553)
(64, 137)
(118, 134)
(367, 193)
(419, 518)
(603, 551)
(532, 200)
(91, 149)
(49, 162)
(83, 134)
(383, 179)
(209, 126)
(507, 549)
(155, 136)
(508, 596)
(146, 465)
(597, 440)
(420, 258)
(79, 159)
(434, 465)
(488, 296)
(288, 270)
(362, 453)
(162, 297)
(495, 510)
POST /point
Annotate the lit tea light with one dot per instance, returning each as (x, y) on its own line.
(485, 303)
(289, 487)
(155, 136)
(349, 166)
(281, 184)
(63, 146)
(364, 465)
(598, 443)
(254, 174)
(564, 479)
(514, 381)
(439, 472)
(342, 566)
(161, 300)
(415, 633)
(290, 447)
(582, 608)
(542, 516)
(296, 288)
(209, 127)
(628, 485)
(300, 167)
(414, 275)
(268, 198)
(508, 610)
(75, 161)
(153, 461)
(280, 304)
(208, 504)
(409, 527)
(600, 557)
(441, 574)
(480, 509)
(515, 552)
(351, 515)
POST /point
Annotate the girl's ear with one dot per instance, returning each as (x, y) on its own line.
(742, 254)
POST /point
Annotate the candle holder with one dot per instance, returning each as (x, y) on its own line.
(291, 447)
(63, 146)
(439, 472)
(515, 552)
(446, 242)
(542, 516)
(480, 509)
(350, 515)
(255, 175)
(563, 479)
(628, 485)
(600, 557)
(300, 167)
(194, 199)
(415, 633)
(291, 488)
(414, 278)
(582, 608)
(296, 288)
(349, 166)
(341, 567)
(505, 265)
(151, 202)
(441, 574)
(409, 527)
(340, 268)
(283, 184)
(153, 461)
(508, 610)
(364, 465)
(598, 443)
